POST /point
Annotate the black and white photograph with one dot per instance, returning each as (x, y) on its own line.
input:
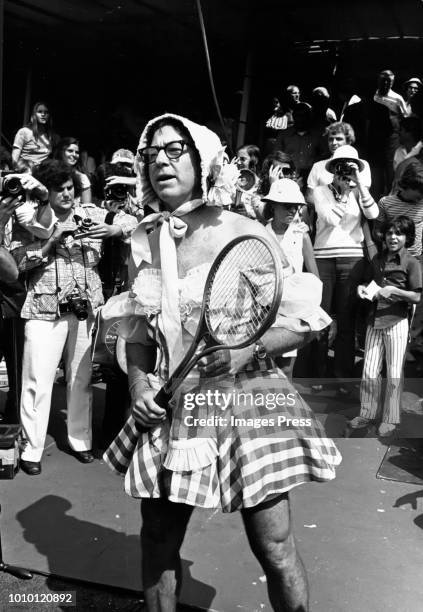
(211, 330)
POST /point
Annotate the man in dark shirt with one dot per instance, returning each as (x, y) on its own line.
(301, 142)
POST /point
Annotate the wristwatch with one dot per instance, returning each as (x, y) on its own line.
(259, 351)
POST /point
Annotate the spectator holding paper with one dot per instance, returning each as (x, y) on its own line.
(395, 283)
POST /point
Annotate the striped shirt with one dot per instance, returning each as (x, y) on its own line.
(338, 227)
(391, 206)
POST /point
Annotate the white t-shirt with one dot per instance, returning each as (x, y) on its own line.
(319, 176)
(30, 149)
(291, 243)
(393, 101)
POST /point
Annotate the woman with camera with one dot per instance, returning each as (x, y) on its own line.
(64, 290)
(341, 208)
(276, 165)
(34, 142)
(67, 151)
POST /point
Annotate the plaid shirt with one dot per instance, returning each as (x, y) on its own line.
(72, 265)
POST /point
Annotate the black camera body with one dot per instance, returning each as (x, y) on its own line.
(346, 168)
(10, 185)
(84, 226)
(78, 305)
(117, 192)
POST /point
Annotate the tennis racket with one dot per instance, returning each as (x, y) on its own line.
(242, 294)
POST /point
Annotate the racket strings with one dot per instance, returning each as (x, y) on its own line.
(241, 293)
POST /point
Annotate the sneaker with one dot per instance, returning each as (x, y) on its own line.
(386, 429)
(359, 422)
(316, 388)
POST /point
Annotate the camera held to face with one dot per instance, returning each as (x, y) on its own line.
(10, 185)
(78, 305)
(345, 168)
(117, 192)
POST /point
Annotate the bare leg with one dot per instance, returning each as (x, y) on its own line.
(268, 528)
(163, 529)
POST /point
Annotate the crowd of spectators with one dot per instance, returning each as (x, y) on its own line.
(359, 167)
(339, 186)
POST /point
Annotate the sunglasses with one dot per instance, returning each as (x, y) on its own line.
(173, 150)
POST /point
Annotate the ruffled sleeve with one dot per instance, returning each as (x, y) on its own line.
(133, 326)
(300, 310)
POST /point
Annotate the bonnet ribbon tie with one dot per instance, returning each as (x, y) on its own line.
(172, 226)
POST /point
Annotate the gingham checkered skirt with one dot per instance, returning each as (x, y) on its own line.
(250, 464)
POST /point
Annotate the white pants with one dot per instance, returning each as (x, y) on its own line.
(391, 344)
(45, 342)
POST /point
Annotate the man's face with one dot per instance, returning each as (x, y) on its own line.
(385, 82)
(61, 198)
(173, 180)
(336, 140)
(412, 89)
(294, 94)
(412, 196)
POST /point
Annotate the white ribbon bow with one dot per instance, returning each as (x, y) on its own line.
(172, 226)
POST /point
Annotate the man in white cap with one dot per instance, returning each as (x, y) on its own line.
(123, 156)
(412, 87)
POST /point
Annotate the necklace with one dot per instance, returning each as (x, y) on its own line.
(339, 197)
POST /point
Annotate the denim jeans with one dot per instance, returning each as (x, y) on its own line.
(340, 277)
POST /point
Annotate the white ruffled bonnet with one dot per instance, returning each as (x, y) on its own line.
(206, 142)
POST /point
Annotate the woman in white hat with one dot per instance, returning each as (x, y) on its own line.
(172, 252)
(340, 207)
(282, 208)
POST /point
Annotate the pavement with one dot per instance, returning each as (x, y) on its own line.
(359, 537)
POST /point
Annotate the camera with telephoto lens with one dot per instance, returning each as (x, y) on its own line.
(117, 192)
(10, 185)
(78, 305)
(345, 168)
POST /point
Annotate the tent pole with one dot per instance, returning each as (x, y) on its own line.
(27, 96)
(1, 62)
(245, 102)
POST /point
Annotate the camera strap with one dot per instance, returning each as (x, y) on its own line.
(58, 289)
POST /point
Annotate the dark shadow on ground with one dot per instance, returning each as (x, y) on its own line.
(70, 542)
(415, 500)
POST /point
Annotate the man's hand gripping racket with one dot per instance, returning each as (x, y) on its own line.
(242, 294)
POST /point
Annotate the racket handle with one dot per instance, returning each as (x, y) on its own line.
(162, 399)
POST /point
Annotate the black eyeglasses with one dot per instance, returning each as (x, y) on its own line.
(173, 150)
(287, 171)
